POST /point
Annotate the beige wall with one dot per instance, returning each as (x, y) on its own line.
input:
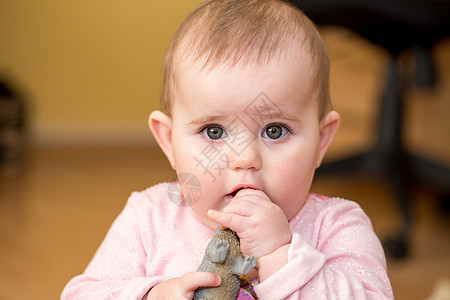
(91, 69)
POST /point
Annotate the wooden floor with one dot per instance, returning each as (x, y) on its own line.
(56, 211)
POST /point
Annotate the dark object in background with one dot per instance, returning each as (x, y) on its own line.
(397, 26)
(12, 129)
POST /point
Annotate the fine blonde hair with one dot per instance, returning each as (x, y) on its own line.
(245, 32)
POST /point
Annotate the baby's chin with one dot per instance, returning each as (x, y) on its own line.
(201, 214)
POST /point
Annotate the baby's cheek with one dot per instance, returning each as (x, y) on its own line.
(291, 202)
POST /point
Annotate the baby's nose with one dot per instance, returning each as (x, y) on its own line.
(248, 159)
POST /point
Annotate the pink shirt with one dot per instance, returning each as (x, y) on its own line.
(334, 253)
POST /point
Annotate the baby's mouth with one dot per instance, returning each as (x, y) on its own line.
(230, 196)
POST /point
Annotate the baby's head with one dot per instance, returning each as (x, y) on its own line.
(236, 33)
(247, 104)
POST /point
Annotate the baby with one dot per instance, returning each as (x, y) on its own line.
(247, 121)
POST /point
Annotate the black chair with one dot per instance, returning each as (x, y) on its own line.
(396, 26)
(12, 129)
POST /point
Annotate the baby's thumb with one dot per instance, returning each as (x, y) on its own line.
(193, 280)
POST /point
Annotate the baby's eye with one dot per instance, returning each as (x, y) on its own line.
(214, 132)
(275, 132)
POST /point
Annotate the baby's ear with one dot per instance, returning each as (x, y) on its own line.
(161, 126)
(328, 128)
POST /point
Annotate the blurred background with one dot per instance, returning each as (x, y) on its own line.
(77, 83)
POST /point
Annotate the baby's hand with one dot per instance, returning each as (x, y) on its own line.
(183, 287)
(260, 224)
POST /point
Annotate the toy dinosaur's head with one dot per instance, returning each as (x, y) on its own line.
(230, 236)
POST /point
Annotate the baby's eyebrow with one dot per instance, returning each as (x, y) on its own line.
(261, 115)
(278, 115)
(263, 112)
(269, 112)
(206, 119)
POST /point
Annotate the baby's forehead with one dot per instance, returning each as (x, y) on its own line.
(284, 72)
(292, 57)
(245, 82)
(288, 50)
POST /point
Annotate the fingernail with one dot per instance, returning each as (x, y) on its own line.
(218, 280)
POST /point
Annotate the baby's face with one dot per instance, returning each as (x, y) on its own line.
(247, 128)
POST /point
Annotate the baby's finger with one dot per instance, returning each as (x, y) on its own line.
(241, 207)
(233, 221)
(255, 196)
(191, 281)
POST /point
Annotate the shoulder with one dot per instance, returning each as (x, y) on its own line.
(154, 195)
(161, 203)
(331, 206)
(316, 205)
(321, 213)
(318, 199)
(149, 201)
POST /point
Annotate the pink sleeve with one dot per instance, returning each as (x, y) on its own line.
(346, 261)
(118, 268)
